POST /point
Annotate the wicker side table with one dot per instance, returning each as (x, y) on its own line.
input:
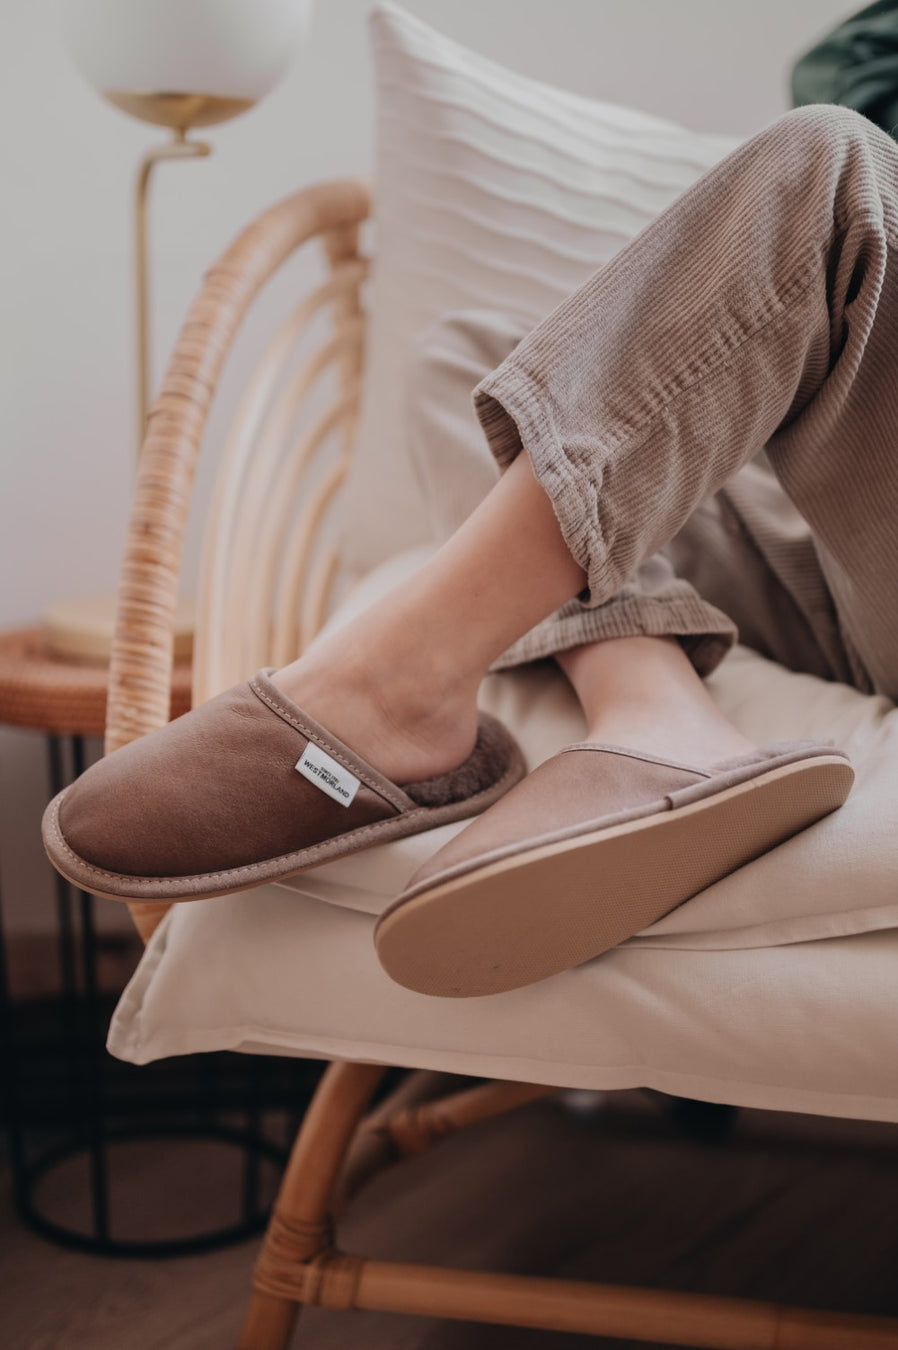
(62, 698)
(58, 1077)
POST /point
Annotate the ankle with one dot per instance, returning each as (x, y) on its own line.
(400, 710)
(686, 734)
(408, 678)
(644, 693)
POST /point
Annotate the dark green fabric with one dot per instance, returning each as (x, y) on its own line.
(855, 65)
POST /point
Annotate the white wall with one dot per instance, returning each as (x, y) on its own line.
(66, 165)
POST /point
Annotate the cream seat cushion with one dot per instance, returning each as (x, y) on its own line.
(777, 987)
(806, 1027)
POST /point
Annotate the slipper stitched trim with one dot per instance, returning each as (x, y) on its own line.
(339, 750)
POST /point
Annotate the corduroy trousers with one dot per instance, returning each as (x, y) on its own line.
(713, 413)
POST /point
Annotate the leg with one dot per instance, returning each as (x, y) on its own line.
(746, 551)
(758, 311)
(744, 561)
(400, 683)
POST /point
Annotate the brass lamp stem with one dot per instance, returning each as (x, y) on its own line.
(177, 148)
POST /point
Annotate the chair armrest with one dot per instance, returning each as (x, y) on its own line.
(140, 669)
(141, 661)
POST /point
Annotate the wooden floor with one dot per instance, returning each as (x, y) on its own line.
(784, 1207)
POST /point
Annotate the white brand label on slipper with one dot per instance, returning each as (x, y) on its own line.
(316, 765)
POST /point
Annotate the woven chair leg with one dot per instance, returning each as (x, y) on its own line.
(373, 1147)
(418, 1128)
(299, 1239)
(299, 1263)
(418, 1115)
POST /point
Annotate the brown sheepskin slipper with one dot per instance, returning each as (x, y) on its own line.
(596, 844)
(245, 789)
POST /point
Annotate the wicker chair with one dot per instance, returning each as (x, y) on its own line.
(263, 594)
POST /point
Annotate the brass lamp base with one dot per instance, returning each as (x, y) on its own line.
(178, 111)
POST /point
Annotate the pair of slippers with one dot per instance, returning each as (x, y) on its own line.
(558, 866)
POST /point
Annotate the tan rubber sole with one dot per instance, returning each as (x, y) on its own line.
(547, 909)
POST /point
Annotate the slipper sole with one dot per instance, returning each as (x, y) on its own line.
(549, 908)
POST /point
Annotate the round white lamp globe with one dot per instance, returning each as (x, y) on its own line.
(183, 63)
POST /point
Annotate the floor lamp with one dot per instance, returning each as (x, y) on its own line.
(180, 64)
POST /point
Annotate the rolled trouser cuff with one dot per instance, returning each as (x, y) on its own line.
(514, 415)
(705, 633)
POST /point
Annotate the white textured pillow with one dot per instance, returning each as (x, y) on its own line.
(491, 189)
